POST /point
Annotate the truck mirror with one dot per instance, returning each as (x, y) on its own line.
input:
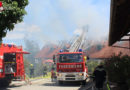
(88, 58)
(54, 58)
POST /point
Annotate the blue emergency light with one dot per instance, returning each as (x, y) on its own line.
(61, 50)
(9, 45)
(80, 50)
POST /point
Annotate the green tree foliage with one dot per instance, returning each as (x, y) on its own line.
(13, 13)
(91, 66)
(39, 69)
(99, 46)
(118, 70)
(43, 69)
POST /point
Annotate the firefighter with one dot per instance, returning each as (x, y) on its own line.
(44, 71)
(99, 76)
(31, 70)
(53, 74)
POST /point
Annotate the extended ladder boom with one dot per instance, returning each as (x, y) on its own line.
(78, 42)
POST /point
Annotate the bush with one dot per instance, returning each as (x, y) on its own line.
(91, 66)
(118, 70)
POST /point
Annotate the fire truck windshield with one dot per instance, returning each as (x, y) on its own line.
(70, 58)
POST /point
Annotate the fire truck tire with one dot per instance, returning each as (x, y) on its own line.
(60, 82)
(4, 82)
(84, 82)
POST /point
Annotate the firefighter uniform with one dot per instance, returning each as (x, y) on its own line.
(99, 76)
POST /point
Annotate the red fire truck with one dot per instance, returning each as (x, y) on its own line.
(71, 63)
(71, 66)
(11, 63)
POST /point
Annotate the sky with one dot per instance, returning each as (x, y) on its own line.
(49, 21)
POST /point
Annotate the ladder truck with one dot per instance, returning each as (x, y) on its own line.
(71, 63)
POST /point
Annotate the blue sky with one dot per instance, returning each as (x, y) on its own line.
(48, 21)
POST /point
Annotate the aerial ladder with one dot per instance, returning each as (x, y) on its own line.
(78, 42)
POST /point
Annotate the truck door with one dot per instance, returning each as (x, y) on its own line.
(20, 65)
(20, 73)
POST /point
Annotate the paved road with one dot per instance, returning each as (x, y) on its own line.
(44, 85)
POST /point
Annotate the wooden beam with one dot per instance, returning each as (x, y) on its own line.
(121, 47)
(125, 40)
(119, 2)
(127, 35)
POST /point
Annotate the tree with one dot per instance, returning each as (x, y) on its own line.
(91, 66)
(13, 13)
(118, 70)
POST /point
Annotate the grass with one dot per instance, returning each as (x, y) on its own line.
(40, 77)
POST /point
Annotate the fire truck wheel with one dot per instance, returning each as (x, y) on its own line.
(5, 83)
(60, 82)
(84, 82)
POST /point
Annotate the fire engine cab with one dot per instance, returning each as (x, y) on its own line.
(71, 66)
